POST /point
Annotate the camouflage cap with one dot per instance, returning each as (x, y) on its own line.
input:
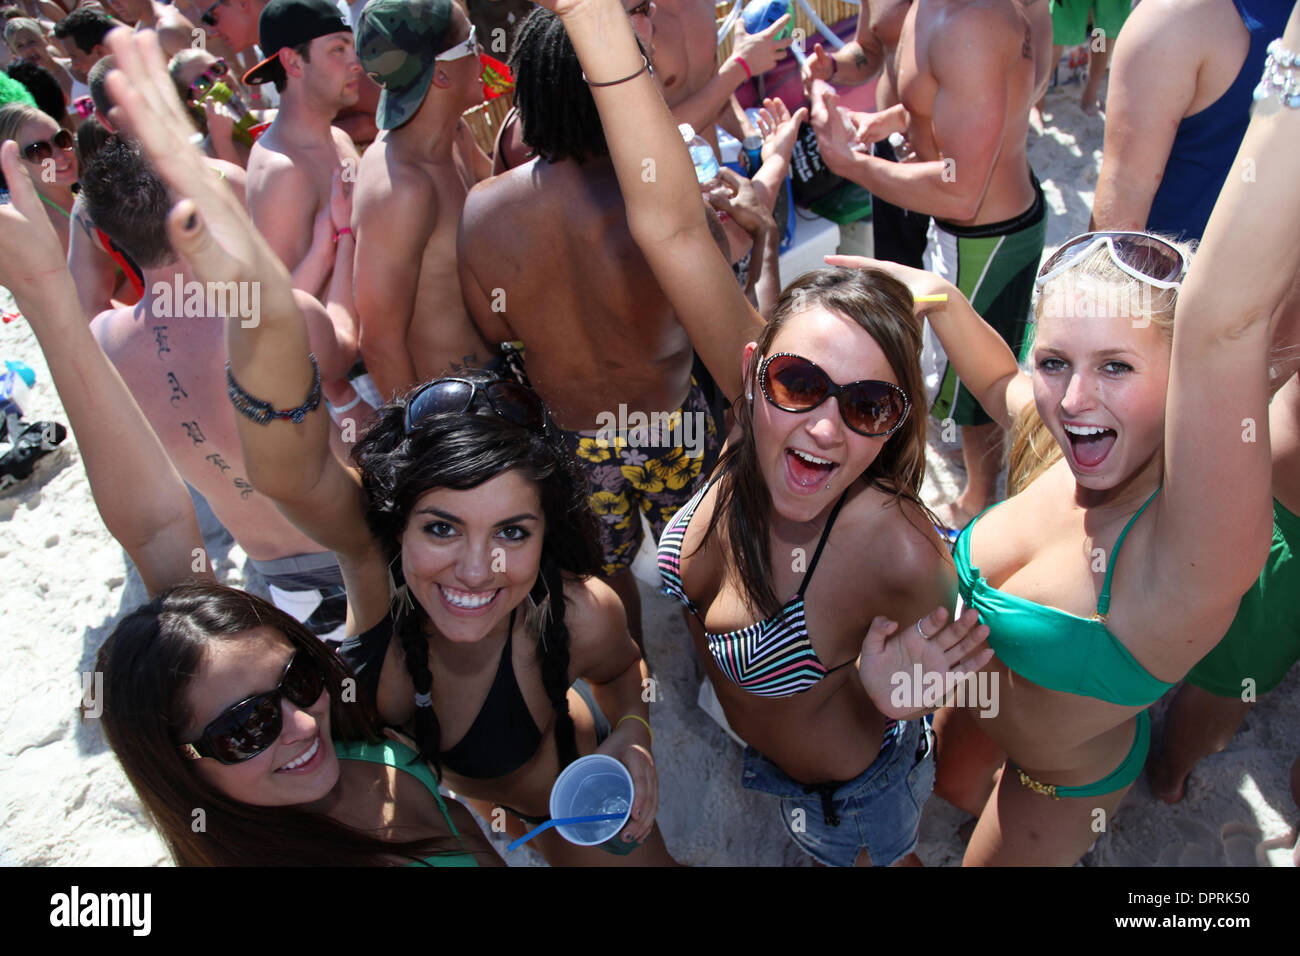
(397, 41)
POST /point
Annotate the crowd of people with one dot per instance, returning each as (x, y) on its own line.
(440, 396)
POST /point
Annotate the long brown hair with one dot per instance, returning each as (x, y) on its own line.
(883, 307)
(149, 663)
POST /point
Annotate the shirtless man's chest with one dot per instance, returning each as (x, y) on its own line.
(885, 26)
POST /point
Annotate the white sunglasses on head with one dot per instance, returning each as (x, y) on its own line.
(1146, 258)
(468, 48)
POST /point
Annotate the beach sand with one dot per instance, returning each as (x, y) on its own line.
(65, 801)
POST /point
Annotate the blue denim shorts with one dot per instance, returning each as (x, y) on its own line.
(878, 811)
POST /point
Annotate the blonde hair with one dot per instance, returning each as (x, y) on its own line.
(13, 116)
(1033, 447)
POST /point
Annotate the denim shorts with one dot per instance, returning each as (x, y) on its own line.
(878, 811)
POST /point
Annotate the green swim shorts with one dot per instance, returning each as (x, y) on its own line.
(1263, 641)
(1070, 19)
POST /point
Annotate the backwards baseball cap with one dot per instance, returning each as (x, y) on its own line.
(397, 43)
(287, 23)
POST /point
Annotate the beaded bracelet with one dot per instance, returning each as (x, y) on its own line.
(264, 412)
(1279, 78)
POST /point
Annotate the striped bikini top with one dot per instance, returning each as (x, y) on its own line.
(772, 658)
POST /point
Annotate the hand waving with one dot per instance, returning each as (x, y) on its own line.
(31, 256)
(945, 650)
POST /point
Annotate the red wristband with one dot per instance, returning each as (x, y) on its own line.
(749, 74)
(345, 231)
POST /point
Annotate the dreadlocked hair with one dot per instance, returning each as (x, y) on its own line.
(559, 116)
(461, 451)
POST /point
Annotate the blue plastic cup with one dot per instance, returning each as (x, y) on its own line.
(590, 786)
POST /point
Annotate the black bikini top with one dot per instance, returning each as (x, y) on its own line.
(503, 736)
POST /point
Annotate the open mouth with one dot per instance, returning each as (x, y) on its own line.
(1089, 444)
(467, 601)
(303, 759)
(807, 470)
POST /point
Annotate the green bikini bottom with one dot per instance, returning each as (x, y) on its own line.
(1117, 779)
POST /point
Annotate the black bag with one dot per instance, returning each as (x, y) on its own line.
(810, 179)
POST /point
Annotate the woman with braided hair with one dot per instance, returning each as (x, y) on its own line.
(463, 497)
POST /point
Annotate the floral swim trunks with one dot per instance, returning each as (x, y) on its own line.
(644, 464)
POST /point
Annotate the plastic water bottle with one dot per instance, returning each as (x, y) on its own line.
(761, 14)
(706, 164)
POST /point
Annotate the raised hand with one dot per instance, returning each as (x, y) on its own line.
(920, 282)
(761, 51)
(779, 127)
(31, 256)
(819, 66)
(943, 648)
(737, 198)
(208, 227)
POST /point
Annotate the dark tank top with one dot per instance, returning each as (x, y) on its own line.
(1206, 142)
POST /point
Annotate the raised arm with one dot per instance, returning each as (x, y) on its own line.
(289, 462)
(855, 63)
(1152, 84)
(982, 360)
(137, 490)
(1216, 514)
(665, 209)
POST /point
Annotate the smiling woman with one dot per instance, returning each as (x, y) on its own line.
(50, 157)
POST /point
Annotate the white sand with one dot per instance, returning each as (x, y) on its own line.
(65, 801)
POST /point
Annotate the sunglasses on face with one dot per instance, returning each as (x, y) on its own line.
(209, 16)
(1146, 258)
(249, 727)
(43, 149)
(205, 80)
(515, 403)
(642, 9)
(467, 48)
(794, 384)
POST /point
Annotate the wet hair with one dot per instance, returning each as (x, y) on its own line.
(96, 80)
(44, 88)
(1033, 448)
(275, 70)
(87, 27)
(460, 452)
(151, 661)
(882, 306)
(125, 197)
(558, 115)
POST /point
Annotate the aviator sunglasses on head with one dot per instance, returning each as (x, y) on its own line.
(795, 384)
(1146, 258)
(249, 727)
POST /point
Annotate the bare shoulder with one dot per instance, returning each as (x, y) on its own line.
(386, 184)
(496, 204)
(975, 30)
(593, 612)
(1185, 25)
(894, 538)
(115, 329)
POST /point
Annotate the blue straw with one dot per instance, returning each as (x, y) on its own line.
(563, 821)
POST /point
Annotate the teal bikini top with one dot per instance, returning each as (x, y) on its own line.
(393, 754)
(1052, 648)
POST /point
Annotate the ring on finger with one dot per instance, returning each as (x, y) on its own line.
(920, 630)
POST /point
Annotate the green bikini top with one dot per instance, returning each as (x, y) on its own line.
(1055, 649)
(393, 754)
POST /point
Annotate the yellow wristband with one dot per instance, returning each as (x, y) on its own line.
(643, 720)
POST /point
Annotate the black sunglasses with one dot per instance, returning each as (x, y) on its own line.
(452, 396)
(205, 80)
(209, 16)
(792, 383)
(249, 727)
(43, 149)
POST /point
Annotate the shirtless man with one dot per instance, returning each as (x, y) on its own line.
(410, 192)
(170, 350)
(237, 22)
(965, 73)
(546, 257)
(291, 167)
(175, 31)
(1179, 104)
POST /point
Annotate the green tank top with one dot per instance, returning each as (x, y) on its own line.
(1055, 649)
(393, 754)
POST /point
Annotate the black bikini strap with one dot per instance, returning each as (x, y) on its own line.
(826, 533)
